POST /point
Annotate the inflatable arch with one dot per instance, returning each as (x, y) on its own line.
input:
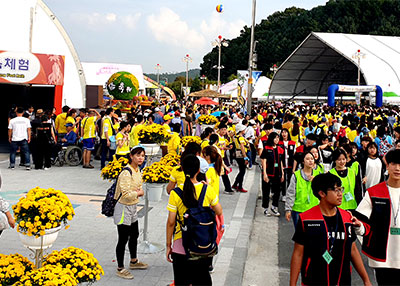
(355, 88)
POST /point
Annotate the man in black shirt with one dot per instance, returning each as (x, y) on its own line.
(325, 239)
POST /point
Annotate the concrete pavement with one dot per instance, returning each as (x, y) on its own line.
(95, 233)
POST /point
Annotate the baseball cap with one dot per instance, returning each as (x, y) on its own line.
(69, 124)
(364, 130)
(240, 127)
(156, 109)
(323, 119)
(168, 117)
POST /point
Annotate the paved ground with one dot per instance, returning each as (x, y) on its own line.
(97, 234)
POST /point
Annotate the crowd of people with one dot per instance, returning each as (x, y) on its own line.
(351, 148)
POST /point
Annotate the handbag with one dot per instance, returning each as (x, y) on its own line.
(3, 221)
(113, 142)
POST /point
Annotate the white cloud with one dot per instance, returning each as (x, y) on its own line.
(217, 26)
(130, 21)
(97, 21)
(167, 27)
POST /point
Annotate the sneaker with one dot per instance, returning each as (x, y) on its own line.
(28, 168)
(229, 192)
(250, 168)
(211, 269)
(235, 187)
(12, 167)
(46, 169)
(241, 190)
(125, 274)
(266, 213)
(283, 199)
(138, 265)
(274, 211)
(85, 167)
(90, 166)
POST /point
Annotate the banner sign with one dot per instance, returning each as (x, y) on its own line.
(20, 67)
(355, 88)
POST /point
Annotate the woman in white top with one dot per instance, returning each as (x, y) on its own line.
(373, 166)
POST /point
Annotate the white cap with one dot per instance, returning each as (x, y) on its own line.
(156, 109)
(239, 128)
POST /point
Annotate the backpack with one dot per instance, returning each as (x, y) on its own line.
(318, 130)
(342, 133)
(108, 205)
(199, 229)
(384, 146)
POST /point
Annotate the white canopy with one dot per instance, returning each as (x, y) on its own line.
(323, 59)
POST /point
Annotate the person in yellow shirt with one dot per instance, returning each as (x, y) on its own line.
(205, 136)
(186, 271)
(122, 139)
(174, 143)
(60, 123)
(88, 131)
(214, 160)
(107, 134)
(133, 134)
(167, 120)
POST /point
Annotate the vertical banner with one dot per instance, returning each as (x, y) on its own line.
(243, 84)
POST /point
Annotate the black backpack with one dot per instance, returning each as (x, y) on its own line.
(108, 205)
(199, 229)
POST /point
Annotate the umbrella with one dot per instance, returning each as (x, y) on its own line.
(206, 101)
(218, 113)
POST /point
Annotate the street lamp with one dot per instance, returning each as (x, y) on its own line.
(203, 78)
(187, 59)
(219, 43)
(274, 69)
(158, 68)
(358, 56)
(251, 59)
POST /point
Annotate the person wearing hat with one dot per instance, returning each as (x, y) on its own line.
(158, 116)
(70, 137)
(241, 146)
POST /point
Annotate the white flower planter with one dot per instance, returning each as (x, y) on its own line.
(154, 191)
(44, 241)
(151, 149)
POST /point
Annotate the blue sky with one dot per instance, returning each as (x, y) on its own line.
(150, 32)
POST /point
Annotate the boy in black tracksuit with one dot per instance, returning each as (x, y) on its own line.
(325, 239)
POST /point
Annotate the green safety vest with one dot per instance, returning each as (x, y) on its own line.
(319, 170)
(305, 198)
(354, 166)
(349, 184)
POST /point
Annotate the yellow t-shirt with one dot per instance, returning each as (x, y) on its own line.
(125, 147)
(240, 140)
(352, 135)
(205, 143)
(174, 144)
(213, 179)
(168, 130)
(60, 123)
(222, 143)
(106, 124)
(89, 127)
(177, 177)
(175, 204)
(70, 120)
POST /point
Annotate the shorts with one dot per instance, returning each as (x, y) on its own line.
(88, 144)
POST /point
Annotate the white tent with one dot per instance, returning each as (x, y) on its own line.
(323, 59)
(29, 26)
(260, 89)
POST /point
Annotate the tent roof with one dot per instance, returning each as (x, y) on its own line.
(323, 59)
(208, 93)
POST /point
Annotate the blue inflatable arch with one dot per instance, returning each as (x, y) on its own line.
(335, 87)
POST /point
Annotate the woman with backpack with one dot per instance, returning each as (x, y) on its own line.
(189, 271)
(127, 193)
(383, 141)
(241, 147)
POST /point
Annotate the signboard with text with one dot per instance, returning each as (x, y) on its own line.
(23, 68)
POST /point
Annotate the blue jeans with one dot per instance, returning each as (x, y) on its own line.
(24, 152)
(248, 154)
(105, 150)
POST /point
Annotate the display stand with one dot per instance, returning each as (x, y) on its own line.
(147, 247)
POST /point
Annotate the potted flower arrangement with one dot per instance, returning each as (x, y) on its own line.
(113, 168)
(40, 215)
(207, 119)
(83, 264)
(49, 275)
(187, 139)
(151, 136)
(13, 267)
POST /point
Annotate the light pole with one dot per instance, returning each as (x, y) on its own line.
(274, 69)
(187, 59)
(158, 68)
(358, 56)
(219, 43)
(203, 78)
(251, 60)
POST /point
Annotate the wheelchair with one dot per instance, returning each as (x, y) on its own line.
(70, 155)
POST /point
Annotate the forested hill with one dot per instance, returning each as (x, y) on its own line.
(193, 73)
(280, 33)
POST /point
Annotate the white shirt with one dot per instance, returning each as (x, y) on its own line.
(249, 134)
(373, 172)
(393, 247)
(19, 127)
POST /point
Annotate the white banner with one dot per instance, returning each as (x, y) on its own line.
(354, 88)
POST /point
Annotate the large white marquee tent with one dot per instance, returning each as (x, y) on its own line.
(323, 59)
